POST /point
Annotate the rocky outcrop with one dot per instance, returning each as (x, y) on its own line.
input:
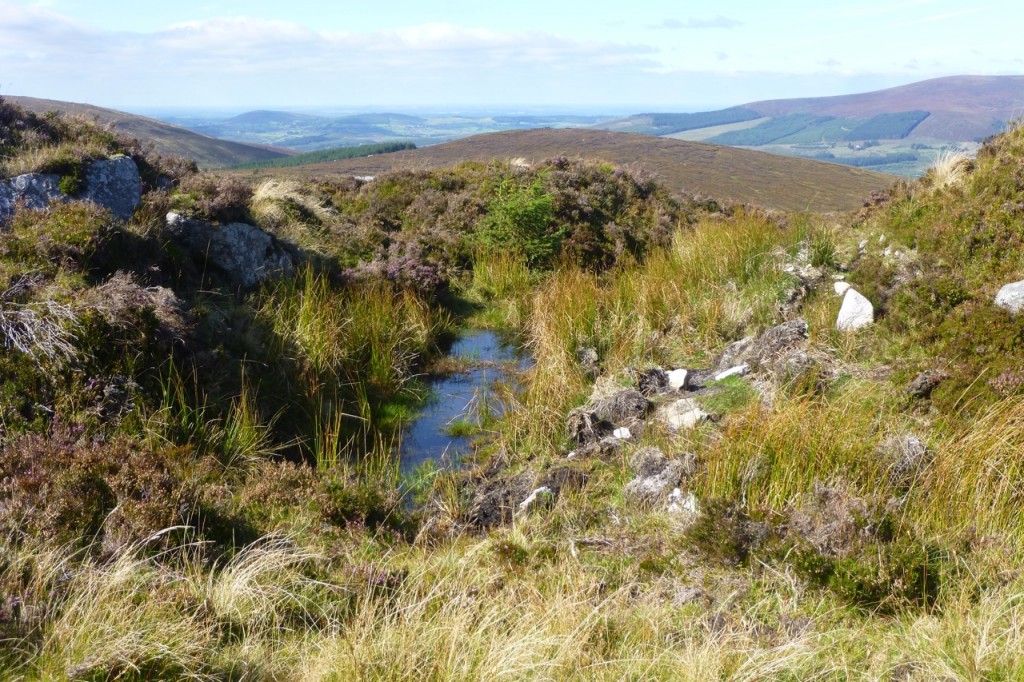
(244, 253)
(114, 184)
(34, 190)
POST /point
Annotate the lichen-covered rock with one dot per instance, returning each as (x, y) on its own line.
(34, 190)
(245, 253)
(114, 184)
(657, 475)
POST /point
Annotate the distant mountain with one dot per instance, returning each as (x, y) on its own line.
(900, 130)
(721, 172)
(959, 107)
(208, 152)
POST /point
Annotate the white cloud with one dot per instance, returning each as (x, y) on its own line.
(698, 23)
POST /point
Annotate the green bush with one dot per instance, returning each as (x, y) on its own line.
(521, 219)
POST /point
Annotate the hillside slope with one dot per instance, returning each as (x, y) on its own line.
(206, 151)
(688, 167)
(960, 107)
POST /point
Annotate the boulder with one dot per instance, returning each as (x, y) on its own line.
(114, 184)
(856, 311)
(1011, 297)
(35, 190)
(682, 414)
(243, 252)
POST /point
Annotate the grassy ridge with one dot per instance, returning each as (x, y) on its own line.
(682, 167)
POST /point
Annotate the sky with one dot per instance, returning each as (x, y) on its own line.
(570, 55)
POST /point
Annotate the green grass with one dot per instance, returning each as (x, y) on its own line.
(216, 522)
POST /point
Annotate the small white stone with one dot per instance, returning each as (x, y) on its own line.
(572, 453)
(841, 288)
(881, 239)
(677, 378)
(737, 371)
(856, 312)
(863, 245)
(1011, 297)
(622, 433)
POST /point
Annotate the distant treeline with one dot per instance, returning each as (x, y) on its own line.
(805, 128)
(770, 130)
(888, 126)
(880, 160)
(326, 155)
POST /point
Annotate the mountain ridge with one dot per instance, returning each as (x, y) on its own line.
(167, 138)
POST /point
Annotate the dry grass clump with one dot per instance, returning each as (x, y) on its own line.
(43, 331)
(950, 169)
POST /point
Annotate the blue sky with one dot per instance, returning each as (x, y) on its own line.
(568, 54)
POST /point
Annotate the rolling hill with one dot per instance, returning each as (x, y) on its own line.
(206, 151)
(718, 171)
(899, 130)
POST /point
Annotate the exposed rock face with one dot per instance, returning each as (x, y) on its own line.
(656, 475)
(245, 253)
(36, 190)
(114, 184)
(1011, 297)
(856, 311)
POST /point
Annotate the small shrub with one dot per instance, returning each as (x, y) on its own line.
(725, 534)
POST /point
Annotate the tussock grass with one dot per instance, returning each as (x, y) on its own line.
(950, 169)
